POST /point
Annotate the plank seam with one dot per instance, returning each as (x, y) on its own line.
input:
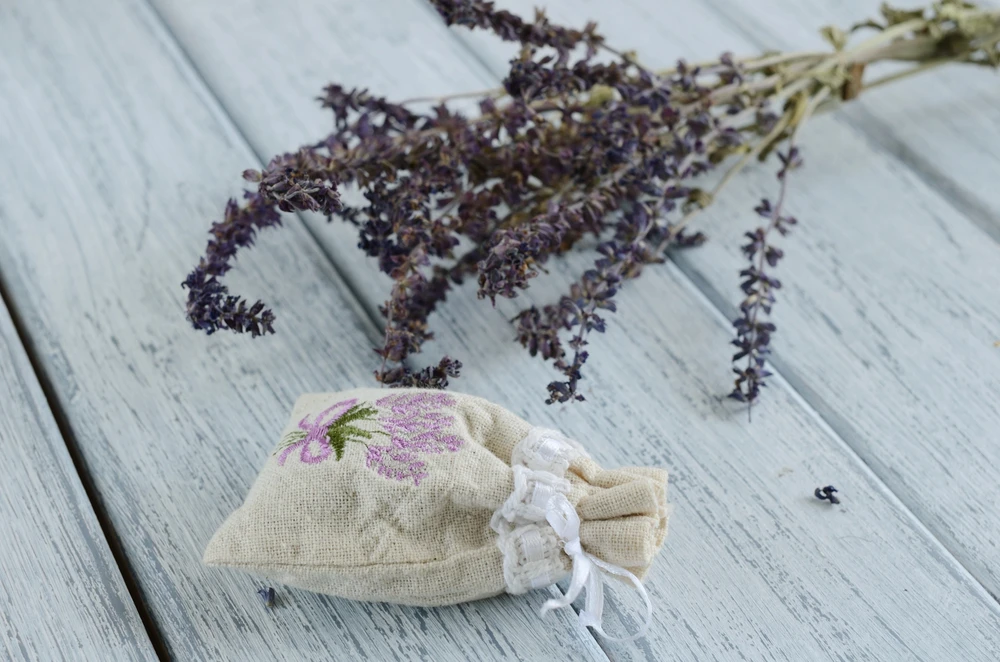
(135, 592)
(704, 293)
(881, 133)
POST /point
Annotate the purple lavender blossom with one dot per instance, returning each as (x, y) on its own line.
(753, 330)
(416, 426)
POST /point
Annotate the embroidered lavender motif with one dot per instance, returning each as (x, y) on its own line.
(413, 422)
(328, 433)
(416, 427)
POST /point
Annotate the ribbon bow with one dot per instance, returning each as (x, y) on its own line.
(587, 572)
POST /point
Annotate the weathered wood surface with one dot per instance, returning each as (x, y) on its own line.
(890, 310)
(116, 158)
(753, 566)
(62, 595)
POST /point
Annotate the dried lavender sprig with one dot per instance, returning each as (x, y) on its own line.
(753, 330)
(210, 306)
(476, 14)
(289, 183)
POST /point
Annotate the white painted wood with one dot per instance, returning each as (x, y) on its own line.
(62, 595)
(754, 566)
(116, 159)
(890, 310)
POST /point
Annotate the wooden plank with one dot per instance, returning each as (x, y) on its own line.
(62, 594)
(889, 315)
(116, 159)
(754, 566)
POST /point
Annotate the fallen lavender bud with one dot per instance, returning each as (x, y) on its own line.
(827, 494)
(267, 595)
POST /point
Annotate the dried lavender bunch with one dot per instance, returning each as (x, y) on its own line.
(581, 141)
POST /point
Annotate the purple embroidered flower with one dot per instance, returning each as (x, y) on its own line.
(397, 463)
(415, 422)
(415, 426)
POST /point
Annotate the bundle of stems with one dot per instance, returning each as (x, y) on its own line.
(582, 140)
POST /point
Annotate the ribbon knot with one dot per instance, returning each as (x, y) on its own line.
(588, 571)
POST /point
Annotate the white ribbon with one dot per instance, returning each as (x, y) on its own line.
(587, 569)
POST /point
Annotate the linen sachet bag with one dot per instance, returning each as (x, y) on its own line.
(424, 497)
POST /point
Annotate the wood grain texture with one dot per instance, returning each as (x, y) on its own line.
(890, 310)
(115, 161)
(62, 595)
(754, 567)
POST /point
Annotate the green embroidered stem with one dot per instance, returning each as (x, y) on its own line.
(341, 431)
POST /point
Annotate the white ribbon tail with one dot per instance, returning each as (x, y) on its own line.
(587, 572)
(599, 604)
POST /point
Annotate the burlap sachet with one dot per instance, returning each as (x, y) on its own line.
(424, 497)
